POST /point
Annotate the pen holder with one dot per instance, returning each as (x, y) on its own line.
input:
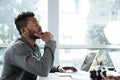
(96, 74)
(93, 75)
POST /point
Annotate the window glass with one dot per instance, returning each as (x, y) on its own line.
(10, 9)
(89, 21)
(67, 56)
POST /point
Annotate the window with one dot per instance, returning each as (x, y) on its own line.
(9, 11)
(87, 22)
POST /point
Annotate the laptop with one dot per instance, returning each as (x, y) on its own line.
(89, 60)
(115, 58)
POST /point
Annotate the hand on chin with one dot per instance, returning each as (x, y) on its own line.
(39, 35)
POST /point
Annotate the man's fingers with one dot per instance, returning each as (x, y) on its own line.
(74, 69)
(39, 35)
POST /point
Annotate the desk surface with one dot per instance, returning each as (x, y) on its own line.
(53, 76)
(80, 75)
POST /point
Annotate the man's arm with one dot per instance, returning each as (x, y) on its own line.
(22, 58)
(54, 69)
(63, 69)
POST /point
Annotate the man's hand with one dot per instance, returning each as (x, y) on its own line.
(65, 68)
(45, 36)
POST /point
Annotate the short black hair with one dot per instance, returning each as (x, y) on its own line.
(21, 20)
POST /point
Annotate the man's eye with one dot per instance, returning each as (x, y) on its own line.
(35, 24)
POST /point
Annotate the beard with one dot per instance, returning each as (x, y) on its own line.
(31, 34)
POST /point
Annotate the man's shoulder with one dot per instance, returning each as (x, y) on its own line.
(16, 43)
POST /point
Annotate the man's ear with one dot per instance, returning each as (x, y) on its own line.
(23, 30)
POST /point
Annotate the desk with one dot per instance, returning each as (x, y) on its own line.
(80, 75)
(53, 76)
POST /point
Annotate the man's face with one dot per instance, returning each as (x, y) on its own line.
(33, 28)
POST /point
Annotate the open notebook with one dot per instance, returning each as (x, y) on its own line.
(115, 58)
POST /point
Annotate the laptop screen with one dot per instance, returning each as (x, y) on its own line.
(88, 61)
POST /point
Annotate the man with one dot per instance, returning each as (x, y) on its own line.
(23, 60)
